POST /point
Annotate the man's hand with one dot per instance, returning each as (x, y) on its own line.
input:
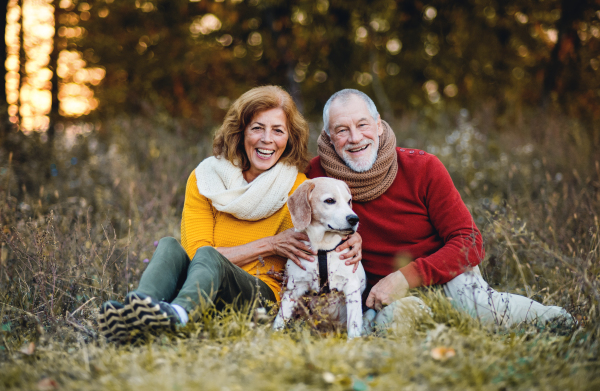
(387, 290)
(288, 244)
(354, 255)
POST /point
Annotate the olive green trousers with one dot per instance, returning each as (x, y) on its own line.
(209, 277)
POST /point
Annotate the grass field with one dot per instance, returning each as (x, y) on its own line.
(80, 231)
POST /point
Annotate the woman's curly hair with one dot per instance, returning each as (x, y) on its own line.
(229, 139)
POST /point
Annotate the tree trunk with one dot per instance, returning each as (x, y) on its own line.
(385, 107)
(562, 72)
(53, 115)
(288, 61)
(3, 103)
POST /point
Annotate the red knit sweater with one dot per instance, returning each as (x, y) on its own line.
(421, 215)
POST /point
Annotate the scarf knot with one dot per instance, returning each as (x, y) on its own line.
(224, 185)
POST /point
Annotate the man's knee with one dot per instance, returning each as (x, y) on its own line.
(466, 282)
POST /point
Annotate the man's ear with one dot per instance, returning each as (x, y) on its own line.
(379, 126)
(299, 205)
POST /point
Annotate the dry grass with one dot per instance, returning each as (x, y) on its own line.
(73, 240)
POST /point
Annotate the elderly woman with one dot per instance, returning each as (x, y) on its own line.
(236, 229)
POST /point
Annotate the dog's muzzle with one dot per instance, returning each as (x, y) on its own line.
(352, 220)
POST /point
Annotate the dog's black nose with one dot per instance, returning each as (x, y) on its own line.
(352, 219)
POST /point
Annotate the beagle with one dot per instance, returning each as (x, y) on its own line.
(322, 207)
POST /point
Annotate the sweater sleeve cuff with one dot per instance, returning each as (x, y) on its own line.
(412, 275)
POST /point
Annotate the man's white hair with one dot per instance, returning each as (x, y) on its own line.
(344, 96)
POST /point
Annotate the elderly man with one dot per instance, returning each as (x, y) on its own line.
(409, 206)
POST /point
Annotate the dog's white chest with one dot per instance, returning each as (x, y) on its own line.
(339, 275)
(340, 278)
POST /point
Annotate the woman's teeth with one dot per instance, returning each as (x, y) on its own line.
(264, 152)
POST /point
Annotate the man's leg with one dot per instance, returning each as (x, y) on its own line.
(399, 316)
(218, 281)
(470, 293)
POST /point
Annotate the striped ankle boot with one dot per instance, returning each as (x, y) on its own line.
(112, 322)
(147, 314)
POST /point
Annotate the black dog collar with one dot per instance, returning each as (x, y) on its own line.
(323, 273)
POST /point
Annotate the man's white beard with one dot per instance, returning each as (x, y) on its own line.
(364, 163)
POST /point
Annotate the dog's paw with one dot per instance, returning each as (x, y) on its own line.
(354, 332)
(278, 324)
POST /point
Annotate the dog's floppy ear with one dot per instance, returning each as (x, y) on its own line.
(349, 192)
(299, 205)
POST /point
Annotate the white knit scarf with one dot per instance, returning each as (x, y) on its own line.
(224, 185)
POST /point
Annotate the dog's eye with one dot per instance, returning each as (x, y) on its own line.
(350, 202)
(330, 201)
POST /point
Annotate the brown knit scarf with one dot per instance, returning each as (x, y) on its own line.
(368, 185)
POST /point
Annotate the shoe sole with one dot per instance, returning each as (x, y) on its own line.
(112, 324)
(143, 315)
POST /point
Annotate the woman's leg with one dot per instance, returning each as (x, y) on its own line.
(209, 275)
(162, 278)
(166, 272)
(218, 281)
(469, 292)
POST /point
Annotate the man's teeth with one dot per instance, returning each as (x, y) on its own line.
(358, 149)
(267, 152)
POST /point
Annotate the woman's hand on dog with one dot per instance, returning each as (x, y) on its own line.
(354, 255)
(288, 245)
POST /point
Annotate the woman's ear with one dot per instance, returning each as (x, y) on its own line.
(299, 205)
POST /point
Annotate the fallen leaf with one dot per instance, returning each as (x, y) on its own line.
(29, 349)
(328, 377)
(47, 384)
(442, 353)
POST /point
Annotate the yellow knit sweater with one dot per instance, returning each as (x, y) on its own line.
(203, 225)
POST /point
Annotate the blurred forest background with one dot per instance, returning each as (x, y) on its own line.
(188, 60)
(107, 106)
(521, 68)
(515, 65)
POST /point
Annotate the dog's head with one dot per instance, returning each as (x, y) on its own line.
(323, 202)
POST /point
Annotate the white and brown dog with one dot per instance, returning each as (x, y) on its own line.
(322, 207)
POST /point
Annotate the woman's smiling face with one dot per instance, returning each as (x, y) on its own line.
(265, 139)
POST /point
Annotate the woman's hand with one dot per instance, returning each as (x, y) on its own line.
(288, 245)
(354, 255)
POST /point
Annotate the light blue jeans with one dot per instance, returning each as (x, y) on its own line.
(470, 293)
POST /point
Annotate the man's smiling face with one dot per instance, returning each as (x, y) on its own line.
(354, 133)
